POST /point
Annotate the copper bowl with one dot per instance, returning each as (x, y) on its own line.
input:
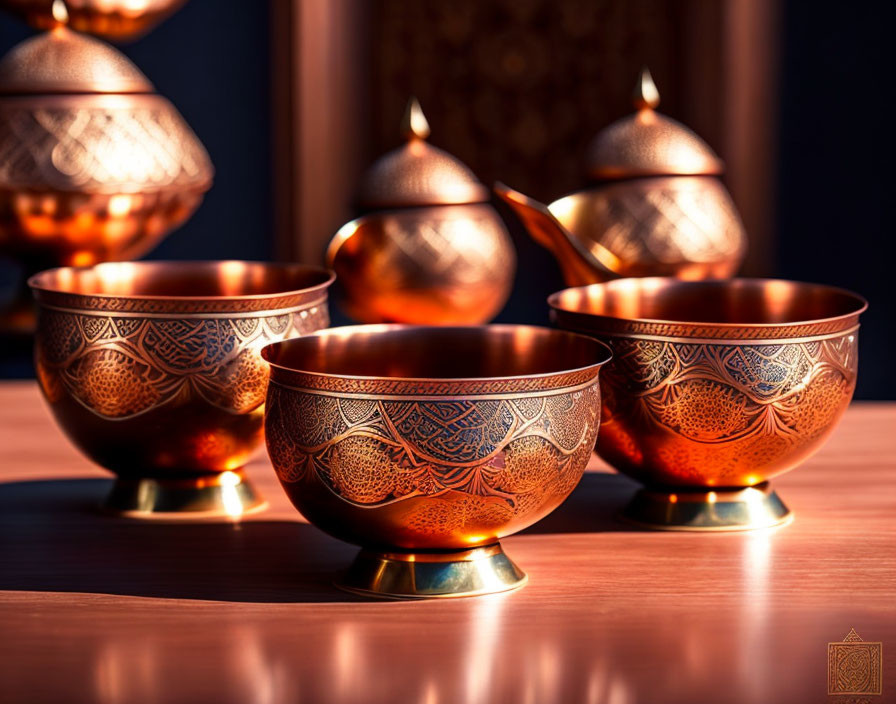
(153, 370)
(715, 387)
(427, 445)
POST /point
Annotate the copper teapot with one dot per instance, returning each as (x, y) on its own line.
(656, 206)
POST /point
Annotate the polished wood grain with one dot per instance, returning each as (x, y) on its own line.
(99, 609)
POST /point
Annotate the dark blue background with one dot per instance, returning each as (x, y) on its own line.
(836, 177)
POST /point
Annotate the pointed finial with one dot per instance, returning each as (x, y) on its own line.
(646, 94)
(852, 636)
(414, 123)
(60, 12)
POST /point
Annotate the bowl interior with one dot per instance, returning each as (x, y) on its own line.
(730, 301)
(493, 351)
(210, 279)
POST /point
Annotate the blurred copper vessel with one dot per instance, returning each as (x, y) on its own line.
(430, 249)
(716, 387)
(426, 445)
(153, 370)
(656, 206)
(112, 19)
(95, 165)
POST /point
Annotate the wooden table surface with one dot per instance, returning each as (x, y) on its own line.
(99, 609)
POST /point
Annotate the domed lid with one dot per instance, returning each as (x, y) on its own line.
(62, 61)
(418, 173)
(649, 144)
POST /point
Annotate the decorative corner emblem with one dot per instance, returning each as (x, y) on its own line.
(854, 666)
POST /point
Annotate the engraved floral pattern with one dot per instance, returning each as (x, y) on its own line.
(694, 410)
(478, 461)
(119, 367)
(79, 148)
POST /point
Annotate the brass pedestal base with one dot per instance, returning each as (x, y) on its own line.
(725, 509)
(430, 575)
(227, 495)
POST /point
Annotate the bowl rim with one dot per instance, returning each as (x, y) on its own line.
(607, 354)
(40, 287)
(860, 301)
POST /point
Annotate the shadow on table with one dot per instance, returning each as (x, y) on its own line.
(593, 507)
(53, 538)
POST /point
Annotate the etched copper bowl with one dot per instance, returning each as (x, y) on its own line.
(716, 387)
(153, 370)
(427, 445)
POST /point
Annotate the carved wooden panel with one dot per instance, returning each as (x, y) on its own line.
(517, 88)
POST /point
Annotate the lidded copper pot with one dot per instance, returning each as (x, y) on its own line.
(94, 164)
(429, 248)
(655, 205)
